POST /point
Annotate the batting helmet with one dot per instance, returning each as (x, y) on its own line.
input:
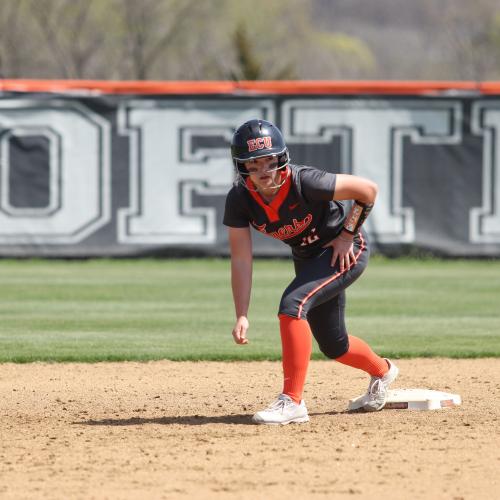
(257, 139)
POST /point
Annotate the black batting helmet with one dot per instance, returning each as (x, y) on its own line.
(256, 139)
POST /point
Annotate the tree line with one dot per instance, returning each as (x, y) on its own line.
(264, 39)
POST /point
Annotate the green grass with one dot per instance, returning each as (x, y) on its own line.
(100, 310)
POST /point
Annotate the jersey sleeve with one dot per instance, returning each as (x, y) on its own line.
(317, 185)
(234, 213)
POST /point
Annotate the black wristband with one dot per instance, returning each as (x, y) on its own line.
(358, 214)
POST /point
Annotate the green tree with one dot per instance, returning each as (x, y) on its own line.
(494, 40)
(250, 66)
(469, 36)
(72, 32)
(337, 55)
(11, 40)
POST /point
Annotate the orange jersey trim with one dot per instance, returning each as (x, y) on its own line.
(272, 208)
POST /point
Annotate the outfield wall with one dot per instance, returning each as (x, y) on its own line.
(129, 169)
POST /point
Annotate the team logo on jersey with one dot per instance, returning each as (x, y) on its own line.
(288, 230)
(259, 143)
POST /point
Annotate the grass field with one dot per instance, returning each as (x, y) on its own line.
(99, 310)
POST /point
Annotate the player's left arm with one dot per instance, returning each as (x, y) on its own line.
(353, 187)
(363, 192)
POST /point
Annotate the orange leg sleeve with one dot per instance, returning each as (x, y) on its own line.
(361, 356)
(296, 342)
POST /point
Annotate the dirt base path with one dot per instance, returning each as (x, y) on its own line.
(183, 430)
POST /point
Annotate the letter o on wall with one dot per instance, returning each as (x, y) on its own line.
(72, 162)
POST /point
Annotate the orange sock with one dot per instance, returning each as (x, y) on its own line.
(296, 342)
(361, 356)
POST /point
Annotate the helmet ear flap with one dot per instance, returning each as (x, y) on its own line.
(240, 167)
(284, 159)
(240, 172)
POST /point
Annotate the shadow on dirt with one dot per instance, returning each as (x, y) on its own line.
(241, 419)
(181, 420)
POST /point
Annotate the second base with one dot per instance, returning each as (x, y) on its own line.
(413, 399)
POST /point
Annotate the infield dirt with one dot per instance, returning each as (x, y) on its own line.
(183, 430)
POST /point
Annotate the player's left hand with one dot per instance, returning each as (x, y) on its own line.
(343, 251)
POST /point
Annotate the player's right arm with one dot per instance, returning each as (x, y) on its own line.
(240, 243)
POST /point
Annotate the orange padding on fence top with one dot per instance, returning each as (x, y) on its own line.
(250, 87)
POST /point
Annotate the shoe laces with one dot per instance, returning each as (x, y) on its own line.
(279, 404)
(376, 387)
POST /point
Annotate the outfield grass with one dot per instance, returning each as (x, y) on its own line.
(101, 310)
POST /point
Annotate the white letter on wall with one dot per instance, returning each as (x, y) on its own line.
(79, 172)
(166, 168)
(485, 220)
(377, 129)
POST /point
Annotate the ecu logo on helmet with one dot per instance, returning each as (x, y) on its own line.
(259, 143)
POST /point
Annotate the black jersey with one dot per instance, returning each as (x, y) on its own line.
(302, 214)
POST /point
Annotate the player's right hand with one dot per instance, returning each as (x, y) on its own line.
(240, 330)
(343, 251)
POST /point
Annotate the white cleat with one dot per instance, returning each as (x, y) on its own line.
(376, 396)
(282, 411)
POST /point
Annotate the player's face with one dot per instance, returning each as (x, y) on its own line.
(263, 172)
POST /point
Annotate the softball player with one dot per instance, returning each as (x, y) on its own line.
(302, 207)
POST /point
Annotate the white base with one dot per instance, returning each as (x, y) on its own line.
(413, 399)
